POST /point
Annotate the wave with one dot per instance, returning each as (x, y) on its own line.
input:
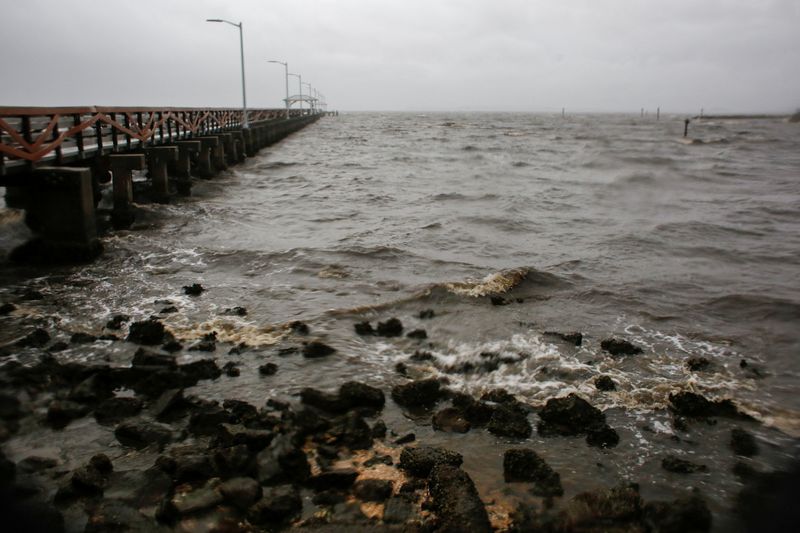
(750, 307)
(497, 283)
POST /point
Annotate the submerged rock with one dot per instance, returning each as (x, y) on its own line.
(140, 434)
(605, 383)
(241, 492)
(616, 346)
(37, 338)
(696, 364)
(316, 349)
(678, 516)
(268, 369)
(421, 393)
(391, 328)
(451, 419)
(117, 321)
(195, 289)
(114, 410)
(364, 328)
(743, 443)
(694, 405)
(277, 505)
(419, 461)
(507, 421)
(148, 332)
(671, 463)
(602, 437)
(525, 465)
(570, 415)
(573, 337)
(456, 501)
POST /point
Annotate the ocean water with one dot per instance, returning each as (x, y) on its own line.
(609, 225)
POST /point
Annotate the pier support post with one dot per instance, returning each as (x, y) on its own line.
(60, 209)
(181, 169)
(157, 159)
(229, 147)
(218, 154)
(250, 142)
(207, 146)
(238, 143)
(122, 166)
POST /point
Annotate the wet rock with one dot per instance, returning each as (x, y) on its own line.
(694, 405)
(456, 501)
(364, 328)
(62, 412)
(207, 421)
(506, 421)
(203, 346)
(329, 497)
(140, 434)
(397, 510)
(10, 407)
(401, 368)
(37, 338)
(373, 490)
(82, 338)
(31, 516)
(478, 413)
(602, 437)
(379, 429)
(420, 461)
(282, 462)
(169, 403)
(112, 516)
(405, 439)
(152, 360)
(170, 309)
(570, 415)
(391, 328)
(620, 506)
(525, 465)
(671, 463)
(235, 461)
(352, 430)
(156, 383)
(316, 349)
(231, 369)
(235, 311)
(768, 502)
(325, 401)
(255, 439)
(172, 346)
(58, 346)
(7, 309)
(114, 410)
(696, 364)
(35, 463)
(605, 383)
(198, 370)
(31, 295)
(357, 395)
(616, 346)
(191, 501)
(426, 314)
(499, 301)
(242, 411)
(117, 321)
(451, 419)
(148, 332)
(419, 334)
(339, 479)
(88, 481)
(678, 516)
(421, 393)
(573, 337)
(268, 369)
(277, 505)
(94, 388)
(300, 328)
(379, 460)
(195, 289)
(241, 492)
(421, 356)
(743, 443)
(189, 465)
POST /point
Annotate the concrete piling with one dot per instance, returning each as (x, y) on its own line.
(158, 157)
(239, 145)
(207, 146)
(181, 169)
(229, 146)
(122, 167)
(218, 154)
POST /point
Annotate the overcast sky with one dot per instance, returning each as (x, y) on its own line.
(509, 55)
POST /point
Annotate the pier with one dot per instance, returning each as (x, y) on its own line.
(55, 162)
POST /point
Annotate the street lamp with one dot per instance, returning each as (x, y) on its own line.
(310, 96)
(245, 123)
(286, 68)
(300, 83)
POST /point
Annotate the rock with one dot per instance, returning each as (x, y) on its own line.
(525, 465)
(9, 407)
(696, 364)
(241, 492)
(111, 516)
(507, 421)
(352, 430)
(604, 383)
(190, 502)
(282, 462)
(235, 311)
(189, 465)
(255, 439)
(37, 338)
(235, 461)
(603, 437)
(152, 360)
(231, 369)
(301, 328)
(678, 516)
(450, 419)
(325, 401)
(32, 516)
(378, 460)
(420, 461)
(202, 369)
(268, 369)
(573, 337)
(168, 310)
(58, 346)
(34, 463)
(617, 506)
(207, 421)
(277, 505)
(195, 289)
(768, 501)
(172, 346)
(88, 480)
(62, 412)
(340, 479)
(117, 321)
(379, 429)
(329, 497)
(114, 410)
(149, 332)
(405, 439)
(140, 434)
(364, 328)
(359, 395)
(316, 349)
(82, 338)
(7, 309)
(671, 463)
(419, 334)
(167, 404)
(694, 405)
(93, 389)
(421, 355)
(373, 490)
(570, 415)
(743, 443)
(203, 346)
(391, 328)
(397, 511)
(499, 300)
(456, 501)
(421, 393)
(616, 346)
(426, 314)
(476, 412)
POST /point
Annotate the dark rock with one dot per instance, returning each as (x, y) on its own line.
(315, 349)
(168, 310)
(620, 506)
(696, 364)
(112, 516)
(148, 359)
(255, 439)
(114, 410)
(373, 490)
(277, 505)
(32, 516)
(154, 384)
(694, 405)
(190, 465)
(282, 462)
(207, 421)
(401, 368)
(352, 430)
(419, 334)
(573, 337)
(391, 328)
(101, 463)
(616, 346)
(202, 369)
(456, 501)
(397, 510)
(37, 338)
(325, 401)
(744, 471)
(92, 389)
(419, 461)
(405, 439)
(235, 461)
(507, 421)
(329, 497)
(451, 419)
(140, 434)
(241, 410)
(602, 437)
(203, 346)
(235, 311)
(31, 295)
(426, 314)
(117, 321)
(364, 328)
(605, 383)
(89, 480)
(7, 309)
(195, 289)
(421, 355)
(359, 395)
(231, 369)
(268, 369)
(678, 516)
(768, 501)
(421, 393)
(62, 412)
(149, 332)
(379, 429)
(671, 463)
(167, 404)
(82, 338)
(525, 465)
(10, 408)
(340, 479)
(476, 412)
(239, 349)
(499, 300)
(570, 415)
(34, 463)
(183, 503)
(172, 346)
(241, 492)
(378, 460)
(109, 337)
(743, 443)
(301, 328)
(58, 346)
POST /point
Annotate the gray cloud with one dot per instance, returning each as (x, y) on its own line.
(615, 55)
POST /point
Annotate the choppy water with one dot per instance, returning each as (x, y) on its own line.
(604, 224)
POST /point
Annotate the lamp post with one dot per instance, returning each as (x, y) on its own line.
(286, 68)
(245, 123)
(300, 84)
(310, 96)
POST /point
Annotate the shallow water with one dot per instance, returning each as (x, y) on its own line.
(603, 224)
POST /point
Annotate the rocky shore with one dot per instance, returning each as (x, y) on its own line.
(325, 462)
